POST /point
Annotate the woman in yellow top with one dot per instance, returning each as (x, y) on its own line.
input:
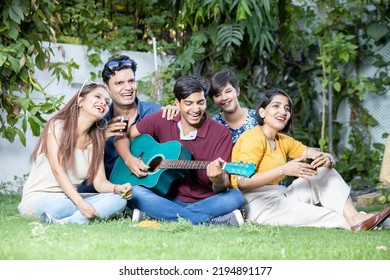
(319, 197)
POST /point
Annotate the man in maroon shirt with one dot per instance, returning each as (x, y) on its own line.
(202, 196)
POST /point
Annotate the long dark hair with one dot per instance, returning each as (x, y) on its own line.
(68, 115)
(268, 96)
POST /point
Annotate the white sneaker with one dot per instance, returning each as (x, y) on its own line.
(233, 219)
(46, 218)
(138, 215)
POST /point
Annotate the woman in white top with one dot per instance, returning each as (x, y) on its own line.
(69, 151)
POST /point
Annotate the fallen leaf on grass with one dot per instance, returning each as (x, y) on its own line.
(383, 248)
(149, 224)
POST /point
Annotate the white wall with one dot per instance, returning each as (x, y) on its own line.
(14, 157)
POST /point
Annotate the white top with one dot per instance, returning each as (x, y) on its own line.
(42, 181)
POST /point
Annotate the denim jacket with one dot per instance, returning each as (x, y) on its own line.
(110, 154)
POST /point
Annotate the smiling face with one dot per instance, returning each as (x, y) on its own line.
(95, 102)
(227, 99)
(277, 113)
(192, 109)
(123, 88)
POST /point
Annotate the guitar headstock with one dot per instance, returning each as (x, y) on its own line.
(240, 168)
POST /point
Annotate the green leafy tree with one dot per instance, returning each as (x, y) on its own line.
(312, 49)
(25, 25)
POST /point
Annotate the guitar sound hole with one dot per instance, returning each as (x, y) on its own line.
(155, 164)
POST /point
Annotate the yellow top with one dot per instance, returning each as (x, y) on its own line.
(253, 147)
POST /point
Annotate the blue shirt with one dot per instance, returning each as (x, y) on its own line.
(110, 154)
(250, 122)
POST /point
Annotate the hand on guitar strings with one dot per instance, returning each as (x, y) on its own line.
(137, 166)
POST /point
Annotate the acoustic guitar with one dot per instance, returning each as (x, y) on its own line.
(167, 162)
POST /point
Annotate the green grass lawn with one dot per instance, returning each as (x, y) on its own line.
(26, 239)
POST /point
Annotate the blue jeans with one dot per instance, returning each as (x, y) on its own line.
(161, 208)
(60, 207)
(84, 188)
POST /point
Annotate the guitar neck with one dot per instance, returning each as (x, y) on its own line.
(184, 164)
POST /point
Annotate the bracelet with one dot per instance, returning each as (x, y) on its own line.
(114, 190)
(281, 170)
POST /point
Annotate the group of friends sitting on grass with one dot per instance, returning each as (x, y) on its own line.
(91, 165)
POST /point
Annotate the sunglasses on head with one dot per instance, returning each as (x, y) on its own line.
(114, 64)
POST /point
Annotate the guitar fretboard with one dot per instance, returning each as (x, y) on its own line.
(184, 164)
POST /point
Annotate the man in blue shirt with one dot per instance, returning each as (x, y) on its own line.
(119, 78)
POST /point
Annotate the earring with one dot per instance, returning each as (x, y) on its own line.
(74, 110)
(102, 124)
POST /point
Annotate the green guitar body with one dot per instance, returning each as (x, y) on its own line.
(151, 152)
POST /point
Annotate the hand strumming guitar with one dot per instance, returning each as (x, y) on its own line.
(137, 166)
